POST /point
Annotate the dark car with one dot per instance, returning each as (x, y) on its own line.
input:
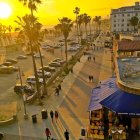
(25, 89)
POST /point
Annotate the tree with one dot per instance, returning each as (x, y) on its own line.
(28, 30)
(134, 22)
(32, 5)
(86, 20)
(80, 21)
(97, 20)
(76, 12)
(65, 27)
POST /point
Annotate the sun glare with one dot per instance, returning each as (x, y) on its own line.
(5, 10)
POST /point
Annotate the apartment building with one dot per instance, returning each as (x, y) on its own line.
(120, 18)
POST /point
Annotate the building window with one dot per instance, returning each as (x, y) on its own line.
(127, 29)
(127, 24)
(122, 25)
(122, 15)
(122, 20)
(114, 15)
(114, 20)
(118, 24)
(114, 25)
(128, 15)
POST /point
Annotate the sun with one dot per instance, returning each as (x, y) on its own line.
(5, 10)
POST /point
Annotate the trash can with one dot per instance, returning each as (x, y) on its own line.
(83, 132)
(44, 114)
(34, 119)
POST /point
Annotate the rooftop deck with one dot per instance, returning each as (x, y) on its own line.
(128, 73)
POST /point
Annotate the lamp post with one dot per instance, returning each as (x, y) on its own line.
(23, 94)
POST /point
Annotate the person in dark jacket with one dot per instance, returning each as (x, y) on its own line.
(51, 115)
(66, 134)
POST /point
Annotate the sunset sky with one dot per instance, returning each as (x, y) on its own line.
(50, 10)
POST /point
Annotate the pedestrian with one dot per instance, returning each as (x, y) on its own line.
(48, 133)
(59, 86)
(66, 134)
(51, 115)
(94, 58)
(89, 78)
(92, 78)
(56, 115)
(71, 70)
(57, 91)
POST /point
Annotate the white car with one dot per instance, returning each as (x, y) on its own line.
(59, 60)
(46, 74)
(72, 49)
(32, 80)
(22, 57)
(55, 64)
(38, 55)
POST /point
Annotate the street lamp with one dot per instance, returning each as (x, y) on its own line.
(22, 91)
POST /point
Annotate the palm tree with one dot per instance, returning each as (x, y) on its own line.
(76, 12)
(32, 5)
(65, 27)
(28, 30)
(86, 20)
(80, 21)
(97, 20)
(9, 28)
(134, 22)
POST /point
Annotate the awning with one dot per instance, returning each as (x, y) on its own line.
(102, 91)
(122, 102)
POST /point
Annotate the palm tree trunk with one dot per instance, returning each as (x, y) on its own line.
(80, 32)
(44, 81)
(86, 30)
(66, 50)
(77, 29)
(35, 72)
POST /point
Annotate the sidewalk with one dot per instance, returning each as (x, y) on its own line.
(72, 104)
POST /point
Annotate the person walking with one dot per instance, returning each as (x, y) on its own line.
(89, 78)
(56, 115)
(57, 91)
(94, 58)
(66, 134)
(48, 133)
(92, 78)
(59, 86)
(51, 115)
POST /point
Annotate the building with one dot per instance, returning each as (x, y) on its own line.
(120, 18)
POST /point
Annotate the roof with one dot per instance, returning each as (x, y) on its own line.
(99, 93)
(122, 102)
(126, 45)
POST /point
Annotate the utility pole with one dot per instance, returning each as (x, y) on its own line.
(23, 94)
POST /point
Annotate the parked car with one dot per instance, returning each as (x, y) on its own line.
(55, 64)
(71, 49)
(13, 61)
(7, 64)
(48, 68)
(46, 74)
(22, 57)
(38, 55)
(24, 88)
(6, 69)
(59, 60)
(32, 80)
